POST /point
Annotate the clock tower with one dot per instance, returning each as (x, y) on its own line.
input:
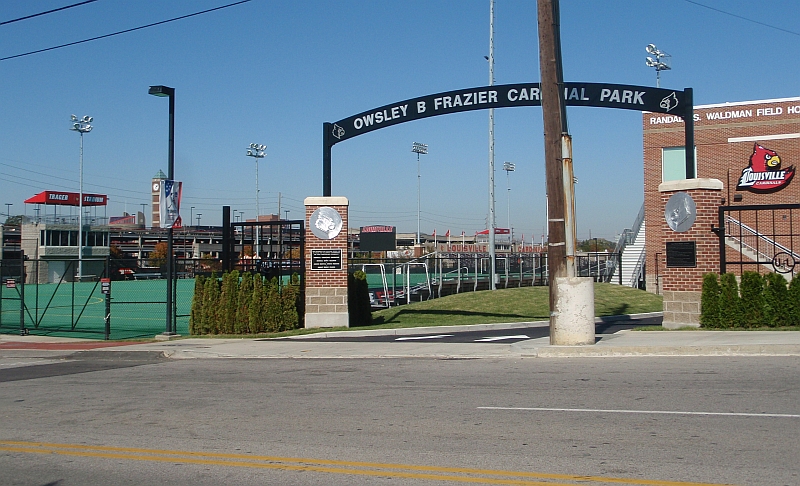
(155, 195)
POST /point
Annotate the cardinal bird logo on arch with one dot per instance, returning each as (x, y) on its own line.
(764, 174)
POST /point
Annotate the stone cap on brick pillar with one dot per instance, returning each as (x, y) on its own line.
(689, 184)
(326, 201)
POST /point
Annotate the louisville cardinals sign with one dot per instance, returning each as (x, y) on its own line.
(764, 174)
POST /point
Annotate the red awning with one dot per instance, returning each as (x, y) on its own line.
(497, 231)
(59, 198)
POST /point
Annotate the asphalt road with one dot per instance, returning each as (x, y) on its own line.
(141, 419)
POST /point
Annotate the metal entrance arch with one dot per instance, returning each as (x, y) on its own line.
(627, 97)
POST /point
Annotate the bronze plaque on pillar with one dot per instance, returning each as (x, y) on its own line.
(681, 254)
(326, 259)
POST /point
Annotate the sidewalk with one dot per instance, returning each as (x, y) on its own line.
(623, 343)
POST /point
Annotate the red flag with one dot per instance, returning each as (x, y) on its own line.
(447, 235)
(434, 232)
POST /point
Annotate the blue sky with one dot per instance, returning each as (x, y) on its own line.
(272, 72)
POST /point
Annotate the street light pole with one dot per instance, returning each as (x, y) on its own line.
(257, 152)
(81, 125)
(418, 148)
(165, 91)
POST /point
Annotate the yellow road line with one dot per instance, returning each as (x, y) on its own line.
(317, 465)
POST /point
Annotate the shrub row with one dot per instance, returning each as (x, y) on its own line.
(248, 304)
(760, 301)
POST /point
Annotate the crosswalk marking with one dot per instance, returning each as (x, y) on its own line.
(413, 338)
(500, 338)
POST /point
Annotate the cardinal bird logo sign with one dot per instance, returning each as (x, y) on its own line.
(764, 173)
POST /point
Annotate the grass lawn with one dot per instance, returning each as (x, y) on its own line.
(509, 305)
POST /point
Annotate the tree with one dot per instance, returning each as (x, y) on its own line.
(158, 257)
(596, 244)
(752, 299)
(730, 305)
(776, 300)
(709, 301)
(794, 302)
(115, 252)
(14, 220)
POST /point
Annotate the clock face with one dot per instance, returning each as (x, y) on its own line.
(155, 186)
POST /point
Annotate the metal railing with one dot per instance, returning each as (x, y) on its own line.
(754, 241)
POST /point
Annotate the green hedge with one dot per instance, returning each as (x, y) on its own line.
(759, 301)
(358, 304)
(248, 304)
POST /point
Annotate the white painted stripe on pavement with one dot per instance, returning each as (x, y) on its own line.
(661, 412)
(410, 338)
(500, 338)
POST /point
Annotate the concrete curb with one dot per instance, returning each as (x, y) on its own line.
(629, 351)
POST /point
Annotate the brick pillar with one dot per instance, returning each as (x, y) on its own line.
(681, 280)
(326, 262)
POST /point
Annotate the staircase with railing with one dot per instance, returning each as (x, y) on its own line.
(754, 245)
(631, 244)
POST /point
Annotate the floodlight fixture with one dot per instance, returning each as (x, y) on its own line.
(660, 63)
(418, 148)
(257, 151)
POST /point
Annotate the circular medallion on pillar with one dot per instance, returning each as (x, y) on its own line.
(326, 223)
(680, 212)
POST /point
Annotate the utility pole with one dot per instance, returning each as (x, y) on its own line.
(569, 322)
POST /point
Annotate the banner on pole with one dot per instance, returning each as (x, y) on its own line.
(170, 204)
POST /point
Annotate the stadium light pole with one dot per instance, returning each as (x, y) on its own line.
(81, 125)
(509, 167)
(418, 148)
(492, 215)
(257, 152)
(165, 91)
(660, 63)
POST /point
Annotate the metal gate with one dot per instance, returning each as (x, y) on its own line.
(274, 249)
(759, 238)
(41, 296)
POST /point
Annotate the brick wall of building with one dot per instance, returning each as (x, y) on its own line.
(724, 136)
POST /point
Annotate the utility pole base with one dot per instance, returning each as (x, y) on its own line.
(572, 319)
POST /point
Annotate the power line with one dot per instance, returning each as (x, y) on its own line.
(47, 12)
(123, 31)
(742, 18)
